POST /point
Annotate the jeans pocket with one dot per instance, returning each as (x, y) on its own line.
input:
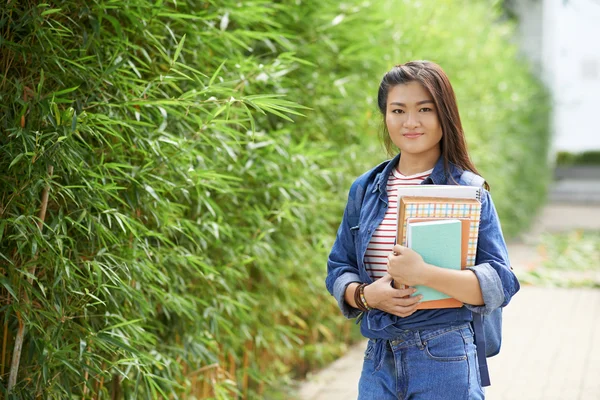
(449, 346)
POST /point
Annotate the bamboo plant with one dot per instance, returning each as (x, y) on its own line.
(173, 173)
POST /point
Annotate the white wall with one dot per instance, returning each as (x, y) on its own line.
(576, 83)
(562, 39)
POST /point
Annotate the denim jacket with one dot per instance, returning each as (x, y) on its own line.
(346, 260)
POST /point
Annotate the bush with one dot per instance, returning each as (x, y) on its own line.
(567, 259)
(564, 158)
(190, 205)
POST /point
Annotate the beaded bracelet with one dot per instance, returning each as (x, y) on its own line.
(363, 298)
(359, 298)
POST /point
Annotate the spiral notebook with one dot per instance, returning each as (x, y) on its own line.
(449, 191)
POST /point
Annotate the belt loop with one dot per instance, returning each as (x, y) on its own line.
(420, 343)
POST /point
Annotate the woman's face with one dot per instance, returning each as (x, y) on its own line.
(412, 120)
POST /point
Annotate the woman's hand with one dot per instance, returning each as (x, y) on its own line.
(382, 296)
(407, 267)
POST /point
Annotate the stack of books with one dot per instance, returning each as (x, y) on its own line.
(441, 223)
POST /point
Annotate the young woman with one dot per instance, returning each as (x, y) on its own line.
(424, 354)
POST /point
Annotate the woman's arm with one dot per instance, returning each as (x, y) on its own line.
(461, 285)
(408, 268)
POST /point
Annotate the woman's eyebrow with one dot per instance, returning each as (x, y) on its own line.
(394, 103)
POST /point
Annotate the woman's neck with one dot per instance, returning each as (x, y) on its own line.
(411, 164)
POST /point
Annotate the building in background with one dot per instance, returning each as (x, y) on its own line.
(561, 38)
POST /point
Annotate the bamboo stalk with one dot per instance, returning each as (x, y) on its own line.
(116, 387)
(245, 377)
(213, 381)
(232, 372)
(99, 384)
(14, 367)
(265, 359)
(232, 368)
(4, 341)
(194, 390)
(204, 392)
(221, 369)
(86, 376)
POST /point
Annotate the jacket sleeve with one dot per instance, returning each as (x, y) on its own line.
(497, 281)
(342, 267)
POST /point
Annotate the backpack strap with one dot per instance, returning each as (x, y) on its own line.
(484, 372)
(471, 179)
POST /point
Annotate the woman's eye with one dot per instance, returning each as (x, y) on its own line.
(397, 111)
(426, 109)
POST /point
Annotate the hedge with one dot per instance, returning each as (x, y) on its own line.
(590, 157)
(173, 174)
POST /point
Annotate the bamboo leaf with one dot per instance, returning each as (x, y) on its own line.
(65, 91)
(121, 324)
(16, 160)
(178, 49)
(216, 74)
(51, 11)
(8, 287)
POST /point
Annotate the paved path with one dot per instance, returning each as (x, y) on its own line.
(551, 347)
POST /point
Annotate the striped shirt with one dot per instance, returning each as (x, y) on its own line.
(384, 237)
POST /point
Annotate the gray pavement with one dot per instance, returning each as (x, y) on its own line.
(551, 336)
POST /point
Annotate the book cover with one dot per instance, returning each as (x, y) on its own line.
(413, 208)
(439, 243)
(466, 226)
(437, 207)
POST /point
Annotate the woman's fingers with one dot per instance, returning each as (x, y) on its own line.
(402, 307)
(407, 301)
(401, 293)
(405, 311)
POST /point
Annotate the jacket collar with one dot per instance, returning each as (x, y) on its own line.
(439, 175)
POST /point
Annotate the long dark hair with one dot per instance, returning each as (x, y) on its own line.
(453, 145)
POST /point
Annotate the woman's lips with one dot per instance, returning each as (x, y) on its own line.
(412, 135)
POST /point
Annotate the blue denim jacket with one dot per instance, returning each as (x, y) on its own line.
(346, 260)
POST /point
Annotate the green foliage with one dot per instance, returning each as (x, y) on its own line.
(583, 158)
(202, 152)
(570, 259)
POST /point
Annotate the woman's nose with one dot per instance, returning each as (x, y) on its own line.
(411, 120)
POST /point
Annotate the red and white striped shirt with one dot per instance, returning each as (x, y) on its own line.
(382, 241)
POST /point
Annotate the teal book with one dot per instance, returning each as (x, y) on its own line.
(440, 244)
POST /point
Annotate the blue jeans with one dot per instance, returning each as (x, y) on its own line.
(422, 364)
